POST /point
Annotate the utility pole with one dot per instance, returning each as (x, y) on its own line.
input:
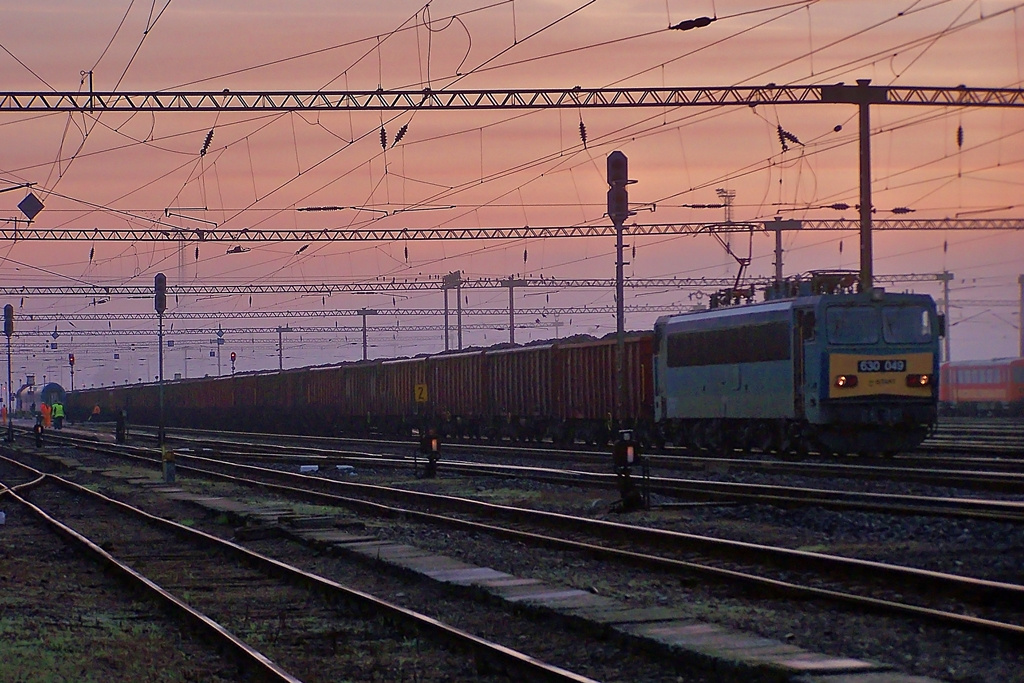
(280, 346)
(453, 280)
(446, 332)
(372, 311)
(1020, 318)
(512, 283)
(863, 95)
(9, 399)
(779, 225)
(727, 197)
(946, 277)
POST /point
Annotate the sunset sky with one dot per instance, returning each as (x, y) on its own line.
(490, 169)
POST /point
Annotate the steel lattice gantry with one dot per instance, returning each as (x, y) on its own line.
(342, 313)
(550, 98)
(411, 285)
(162, 233)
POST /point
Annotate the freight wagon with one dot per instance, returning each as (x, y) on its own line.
(562, 390)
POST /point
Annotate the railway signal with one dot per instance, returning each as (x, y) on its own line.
(9, 331)
(233, 356)
(71, 362)
(160, 304)
(160, 293)
(618, 211)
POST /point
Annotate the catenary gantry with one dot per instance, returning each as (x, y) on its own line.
(384, 285)
(161, 232)
(545, 98)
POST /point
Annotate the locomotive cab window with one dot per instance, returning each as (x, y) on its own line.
(852, 324)
(906, 324)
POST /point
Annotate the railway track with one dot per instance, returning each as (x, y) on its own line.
(211, 582)
(594, 472)
(941, 597)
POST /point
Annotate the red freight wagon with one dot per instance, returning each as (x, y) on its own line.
(562, 390)
(983, 387)
(457, 385)
(519, 380)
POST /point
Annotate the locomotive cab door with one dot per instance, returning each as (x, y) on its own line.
(803, 336)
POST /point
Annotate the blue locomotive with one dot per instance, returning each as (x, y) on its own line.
(815, 367)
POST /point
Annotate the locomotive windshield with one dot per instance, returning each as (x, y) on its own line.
(869, 324)
(906, 324)
(852, 324)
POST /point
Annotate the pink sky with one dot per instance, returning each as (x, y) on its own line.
(507, 168)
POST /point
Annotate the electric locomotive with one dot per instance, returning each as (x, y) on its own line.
(816, 366)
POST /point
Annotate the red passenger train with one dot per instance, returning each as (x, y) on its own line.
(982, 387)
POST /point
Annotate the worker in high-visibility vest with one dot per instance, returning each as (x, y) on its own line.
(47, 415)
(58, 415)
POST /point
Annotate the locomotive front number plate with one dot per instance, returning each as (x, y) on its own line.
(887, 365)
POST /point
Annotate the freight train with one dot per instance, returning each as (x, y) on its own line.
(983, 387)
(815, 367)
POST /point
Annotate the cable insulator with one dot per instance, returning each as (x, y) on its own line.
(960, 137)
(782, 139)
(583, 134)
(401, 133)
(383, 138)
(689, 24)
(791, 137)
(838, 207)
(206, 144)
(902, 209)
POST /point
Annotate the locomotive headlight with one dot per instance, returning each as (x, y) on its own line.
(919, 380)
(846, 381)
